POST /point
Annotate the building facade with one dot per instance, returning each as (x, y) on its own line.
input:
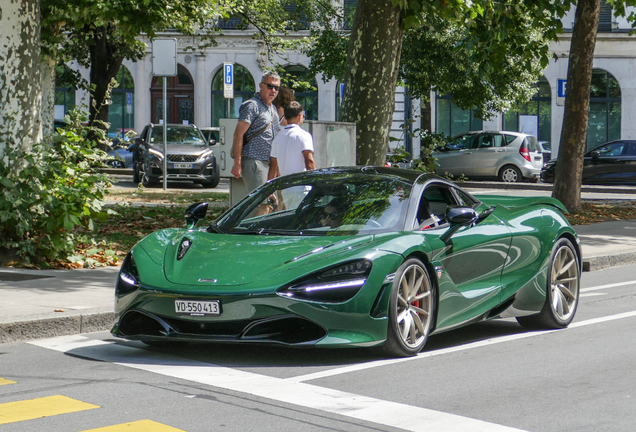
(195, 95)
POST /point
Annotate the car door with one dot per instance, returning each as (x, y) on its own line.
(629, 164)
(456, 157)
(602, 165)
(490, 149)
(469, 263)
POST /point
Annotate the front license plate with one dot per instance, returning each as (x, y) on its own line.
(195, 307)
(182, 165)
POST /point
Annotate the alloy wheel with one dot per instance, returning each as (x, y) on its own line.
(414, 306)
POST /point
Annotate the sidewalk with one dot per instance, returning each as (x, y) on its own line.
(48, 303)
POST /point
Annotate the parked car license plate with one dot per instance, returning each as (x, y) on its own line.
(196, 307)
(182, 165)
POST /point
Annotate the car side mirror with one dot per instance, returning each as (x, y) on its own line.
(212, 142)
(461, 215)
(194, 213)
(595, 155)
(458, 217)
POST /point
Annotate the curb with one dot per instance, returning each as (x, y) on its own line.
(52, 325)
(608, 261)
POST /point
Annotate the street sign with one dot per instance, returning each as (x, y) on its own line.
(164, 57)
(562, 85)
(228, 80)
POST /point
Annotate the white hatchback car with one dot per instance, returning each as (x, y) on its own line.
(507, 156)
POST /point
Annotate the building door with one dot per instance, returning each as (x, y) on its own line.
(180, 98)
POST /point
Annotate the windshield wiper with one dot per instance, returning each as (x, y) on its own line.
(214, 228)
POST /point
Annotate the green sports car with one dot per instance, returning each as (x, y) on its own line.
(356, 256)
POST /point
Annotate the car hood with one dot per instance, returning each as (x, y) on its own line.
(232, 260)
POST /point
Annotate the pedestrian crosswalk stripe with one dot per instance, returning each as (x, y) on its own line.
(4, 381)
(138, 426)
(12, 412)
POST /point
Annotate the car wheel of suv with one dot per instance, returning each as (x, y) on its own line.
(510, 174)
(214, 180)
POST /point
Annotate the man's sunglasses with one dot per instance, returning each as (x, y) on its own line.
(272, 86)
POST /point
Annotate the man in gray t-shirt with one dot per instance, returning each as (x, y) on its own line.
(255, 131)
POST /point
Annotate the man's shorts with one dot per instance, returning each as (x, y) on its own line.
(254, 172)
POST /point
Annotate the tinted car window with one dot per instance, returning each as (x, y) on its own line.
(532, 144)
(631, 150)
(465, 200)
(614, 149)
(509, 139)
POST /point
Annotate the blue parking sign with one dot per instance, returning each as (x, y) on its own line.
(228, 73)
(562, 86)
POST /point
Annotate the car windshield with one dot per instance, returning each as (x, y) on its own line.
(177, 135)
(317, 205)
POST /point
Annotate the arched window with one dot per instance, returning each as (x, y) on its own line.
(307, 97)
(533, 117)
(244, 88)
(65, 81)
(452, 120)
(604, 121)
(180, 94)
(121, 111)
(339, 97)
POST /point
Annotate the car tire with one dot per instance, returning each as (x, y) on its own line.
(562, 295)
(411, 308)
(214, 181)
(136, 176)
(146, 181)
(510, 174)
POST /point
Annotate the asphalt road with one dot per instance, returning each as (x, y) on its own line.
(492, 376)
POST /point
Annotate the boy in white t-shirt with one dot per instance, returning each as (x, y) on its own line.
(293, 147)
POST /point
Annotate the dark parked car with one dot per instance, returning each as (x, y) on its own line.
(610, 163)
(190, 156)
(121, 156)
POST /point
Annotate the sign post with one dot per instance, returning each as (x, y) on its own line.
(228, 84)
(164, 64)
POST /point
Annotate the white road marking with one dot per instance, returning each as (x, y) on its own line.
(479, 344)
(407, 417)
(614, 285)
(593, 294)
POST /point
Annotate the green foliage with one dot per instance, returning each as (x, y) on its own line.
(48, 191)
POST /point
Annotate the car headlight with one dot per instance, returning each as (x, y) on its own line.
(333, 285)
(128, 280)
(156, 153)
(206, 154)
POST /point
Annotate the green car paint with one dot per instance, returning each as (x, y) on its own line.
(494, 267)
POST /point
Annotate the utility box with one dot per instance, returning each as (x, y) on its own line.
(334, 145)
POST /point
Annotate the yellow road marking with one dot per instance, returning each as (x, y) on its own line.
(138, 426)
(4, 381)
(12, 412)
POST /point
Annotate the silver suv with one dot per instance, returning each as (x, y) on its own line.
(507, 156)
(190, 156)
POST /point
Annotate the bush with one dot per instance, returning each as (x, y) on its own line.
(50, 190)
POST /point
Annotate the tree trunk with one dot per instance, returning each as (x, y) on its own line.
(372, 64)
(20, 88)
(569, 170)
(104, 68)
(48, 95)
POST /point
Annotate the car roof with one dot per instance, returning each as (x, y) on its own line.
(520, 134)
